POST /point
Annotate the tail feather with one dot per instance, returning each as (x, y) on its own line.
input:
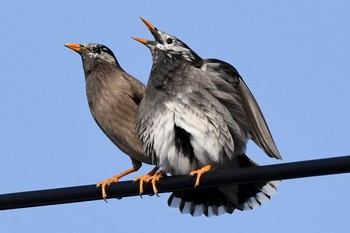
(210, 202)
(219, 200)
(254, 195)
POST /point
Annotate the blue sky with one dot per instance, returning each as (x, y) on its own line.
(294, 56)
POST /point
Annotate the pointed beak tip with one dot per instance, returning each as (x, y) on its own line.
(75, 47)
(143, 41)
(148, 24)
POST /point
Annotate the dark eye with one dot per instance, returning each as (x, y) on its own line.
(169, 41)
(97, 50)
(100, 49)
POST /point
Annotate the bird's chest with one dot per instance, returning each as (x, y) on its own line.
(163, 140)
(106, 103)
(173, 79)
(100, 100)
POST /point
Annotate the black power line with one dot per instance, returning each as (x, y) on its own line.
(284, 171)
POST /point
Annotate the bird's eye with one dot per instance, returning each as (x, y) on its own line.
(169, 41)
(97, 50)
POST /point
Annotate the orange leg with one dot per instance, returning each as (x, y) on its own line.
(113, 179)
(201, 171)
(146, 178)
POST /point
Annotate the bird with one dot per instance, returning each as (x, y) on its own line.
(113, 96)
(197, 115)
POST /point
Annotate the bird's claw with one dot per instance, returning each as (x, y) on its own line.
(152, 177)
(105, 183)
(142, 179)
(201, 171)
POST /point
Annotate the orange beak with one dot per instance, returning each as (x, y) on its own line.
(143, 41)
(155, 32)
(75, 47)
(148, 24)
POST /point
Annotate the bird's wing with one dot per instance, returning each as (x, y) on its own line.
(260, 132)
(137, 88)
(200, 104)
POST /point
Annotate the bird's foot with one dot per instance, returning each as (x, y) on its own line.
(201, 171)
(143, 179)
(153, 177)
(107, 182)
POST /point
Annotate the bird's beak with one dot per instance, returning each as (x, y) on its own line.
(153, 30)
(149, 43)
(143, 41)
(75, 47)
(148, 24)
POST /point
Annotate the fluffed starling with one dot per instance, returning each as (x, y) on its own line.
(113, 96)
(197, 115)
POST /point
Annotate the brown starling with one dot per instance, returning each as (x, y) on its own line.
(113, 96)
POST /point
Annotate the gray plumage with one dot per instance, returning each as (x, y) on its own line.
(113, 96)
(259, 131)
(196, 112)
(184, 101)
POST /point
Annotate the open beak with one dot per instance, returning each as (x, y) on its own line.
(153, 30)
(75, 47)
(143, 41)
(148, 24)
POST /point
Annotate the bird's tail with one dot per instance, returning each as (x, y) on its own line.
(219, 200)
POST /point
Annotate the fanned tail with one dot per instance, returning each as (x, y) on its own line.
(220, 200)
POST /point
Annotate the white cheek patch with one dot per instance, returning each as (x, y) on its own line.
(160, 46)
(93, 55)
(176, 48)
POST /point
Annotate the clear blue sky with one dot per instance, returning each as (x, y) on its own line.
(294, 56)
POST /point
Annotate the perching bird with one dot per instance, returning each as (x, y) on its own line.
(197, 115)
(113, 96)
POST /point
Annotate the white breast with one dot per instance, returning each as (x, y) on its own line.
(209, 142)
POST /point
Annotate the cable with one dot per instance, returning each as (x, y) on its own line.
(283, 171)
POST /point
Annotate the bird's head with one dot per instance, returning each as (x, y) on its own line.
(94, 55)
(170, 44)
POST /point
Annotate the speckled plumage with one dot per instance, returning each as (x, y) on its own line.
(177, 100)
(216, 113)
